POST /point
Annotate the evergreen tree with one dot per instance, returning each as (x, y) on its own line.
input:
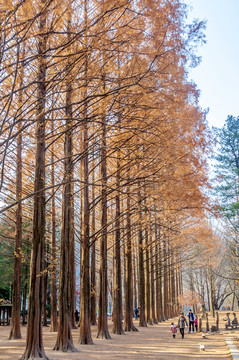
(228, 169)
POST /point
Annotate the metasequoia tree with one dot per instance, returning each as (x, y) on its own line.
(64, 340)
(93, 251)
(128, 322)
(34, 343)
(15, 332)
(85, 332)
(117, 108)
(53, 244)
(142, 320)
(102, 319)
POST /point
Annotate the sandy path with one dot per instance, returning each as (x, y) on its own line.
(153, 342)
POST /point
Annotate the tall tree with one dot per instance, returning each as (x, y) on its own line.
(64, 340)
(103, 331)
(15, 332)
(34, 342)
(93, 252)
(53, 242)
(117, 287)
(128, 321)
(142, 320)
(227, 166)
(85, 331)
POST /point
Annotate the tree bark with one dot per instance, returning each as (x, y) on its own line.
(117, 289)
(211, 292)
(93, 255)
(165, 277)
(72, 261)
(158, 313)
(128, 320)
(152, 286)
(24, 301)
(200, 325)
(103, 331)
(15, 332)
(207, 323)
(64, 340)
(135, 277)
(53, 244)
(45, 282)
(147, 277)
(103, 301)
(85, 330)
(34, 343)
(142, 320)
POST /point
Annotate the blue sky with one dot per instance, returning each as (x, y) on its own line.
(218, 74)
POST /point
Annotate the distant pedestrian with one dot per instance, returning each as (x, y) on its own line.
(196, 324)
(136, 312)
(191, 320)
(182, 322)
(77, 318)
(173, 330)
(234, 321)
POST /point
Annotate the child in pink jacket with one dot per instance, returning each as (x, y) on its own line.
(173, 330)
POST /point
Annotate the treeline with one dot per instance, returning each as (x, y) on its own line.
(103, 150)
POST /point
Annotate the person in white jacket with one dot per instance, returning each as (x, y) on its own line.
(191, 320)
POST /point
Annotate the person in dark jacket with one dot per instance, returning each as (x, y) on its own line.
(191, 320)
(136, 312)
(77, 318)
(182, 322)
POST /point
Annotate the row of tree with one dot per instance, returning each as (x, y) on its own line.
(214, 281)
(103, 149)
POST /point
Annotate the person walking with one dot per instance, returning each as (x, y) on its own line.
(173, 330)
(191, 320)
(136, 311)
(196, 324)
(181, 324)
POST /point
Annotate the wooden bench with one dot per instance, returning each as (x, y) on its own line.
(231, 327)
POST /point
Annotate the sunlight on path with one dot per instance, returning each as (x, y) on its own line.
(153, 342)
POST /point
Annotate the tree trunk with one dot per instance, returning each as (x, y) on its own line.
(160, 283)
(64, 340)
(103, 300)
(152, 271)
(158, 314)
(93, 256)
(170, 298)
(135, 278)
(233, 298)
(217, 321)
(212, 308)
(24, 301)
(45, 282)
(117, 290)
(128, 321)
(147, 277)
(72, 261)
(34, 343)
(15, 332)
(200, 325)
(85, 330)
(207, 323)
(173, 290)
(53, 244)
(142, 321)
(165, 277)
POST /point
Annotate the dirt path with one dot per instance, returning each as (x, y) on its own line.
(153, 342)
